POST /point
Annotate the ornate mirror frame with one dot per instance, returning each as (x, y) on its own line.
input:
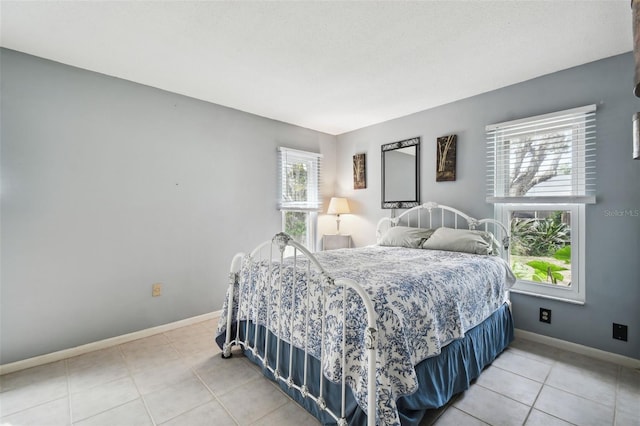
(400, 166)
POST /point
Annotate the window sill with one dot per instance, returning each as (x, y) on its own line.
(547, 296)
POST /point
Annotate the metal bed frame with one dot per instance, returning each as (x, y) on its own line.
(448, 217)
(281, 242)
(281, 246)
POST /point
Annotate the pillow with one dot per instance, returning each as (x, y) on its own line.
(463, 240)
(404, 236)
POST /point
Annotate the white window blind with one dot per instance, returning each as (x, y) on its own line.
(543, 159)
(299, 180)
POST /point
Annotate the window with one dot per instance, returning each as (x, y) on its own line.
(299, 198)
(540, 175)
(547, 249)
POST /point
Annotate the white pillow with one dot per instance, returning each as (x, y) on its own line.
(404, 236)
(462, 240)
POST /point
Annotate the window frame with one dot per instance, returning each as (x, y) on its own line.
(581, 123)
(312, 226)
(312, 205)
(576, 293)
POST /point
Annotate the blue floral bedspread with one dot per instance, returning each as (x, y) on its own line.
(424, 299)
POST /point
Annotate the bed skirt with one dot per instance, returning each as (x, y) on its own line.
(439, 377)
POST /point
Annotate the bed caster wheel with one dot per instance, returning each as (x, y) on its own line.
(226, 356)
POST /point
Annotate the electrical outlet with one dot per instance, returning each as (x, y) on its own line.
(620, 332)
(156, 289)
(545, 315)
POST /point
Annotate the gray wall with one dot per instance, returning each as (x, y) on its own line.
(613, 243)
(110, 186)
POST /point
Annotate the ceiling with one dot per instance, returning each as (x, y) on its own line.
(327, 66)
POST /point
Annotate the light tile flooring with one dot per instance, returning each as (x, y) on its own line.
(179, 378)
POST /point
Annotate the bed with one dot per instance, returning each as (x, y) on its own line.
(378, 334)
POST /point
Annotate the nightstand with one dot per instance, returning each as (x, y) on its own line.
(335, 241)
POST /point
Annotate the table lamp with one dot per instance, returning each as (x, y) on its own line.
(338, 206)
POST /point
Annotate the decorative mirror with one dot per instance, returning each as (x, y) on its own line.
(401, 174)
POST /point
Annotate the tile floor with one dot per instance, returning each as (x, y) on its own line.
(178, 378)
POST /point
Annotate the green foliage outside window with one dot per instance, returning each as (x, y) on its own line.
(541, 249)
(539, 237)
(297, 182)
(296, 225)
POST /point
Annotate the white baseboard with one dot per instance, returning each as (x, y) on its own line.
(118, 340)
(102, 344)
(580, 349)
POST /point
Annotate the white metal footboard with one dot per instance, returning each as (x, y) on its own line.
(284, 245)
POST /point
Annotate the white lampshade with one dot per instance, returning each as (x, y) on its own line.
(338, 206)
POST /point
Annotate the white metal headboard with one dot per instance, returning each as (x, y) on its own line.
(434, 215)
